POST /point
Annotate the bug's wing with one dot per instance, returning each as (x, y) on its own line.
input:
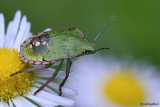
(63, 46)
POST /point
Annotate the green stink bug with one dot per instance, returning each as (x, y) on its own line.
(48, 47)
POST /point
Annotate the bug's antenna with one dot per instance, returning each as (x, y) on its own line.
(103, 29)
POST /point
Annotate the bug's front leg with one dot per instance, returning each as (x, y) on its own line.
(53, 76)
(68, 66)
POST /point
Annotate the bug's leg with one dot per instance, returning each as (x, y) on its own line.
(69, 63)
(29, 69)
(53, 76)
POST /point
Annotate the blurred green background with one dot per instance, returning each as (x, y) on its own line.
(134, 32)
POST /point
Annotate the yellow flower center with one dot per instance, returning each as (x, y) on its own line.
(124, 89)
(19, 84)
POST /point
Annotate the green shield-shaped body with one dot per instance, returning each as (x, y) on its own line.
(51, 46)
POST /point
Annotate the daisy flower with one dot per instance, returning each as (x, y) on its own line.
(111, 83)
(19, 90)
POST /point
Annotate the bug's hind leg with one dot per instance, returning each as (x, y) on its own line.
(29, 69)
(69, 63)
(53, 76)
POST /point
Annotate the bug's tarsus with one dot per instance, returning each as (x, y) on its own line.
(53, 76)
(45, 84)
(29, 69)
(103, 29)
(14, 73)
(69, 63)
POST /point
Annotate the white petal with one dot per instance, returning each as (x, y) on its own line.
(17, 102)
(8, 33)
(65, 90)
(41, 100)
(16, 21)
(10, 103)
(3, 104)
(20, 33)
(15, 28)
(2, 30)
(60, 100)
(27, 103)
(44, 105)
(27, 31)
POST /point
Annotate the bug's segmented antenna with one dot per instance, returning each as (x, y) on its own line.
(103, 29)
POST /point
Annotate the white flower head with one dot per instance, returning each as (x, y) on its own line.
(19, 90)
(106, 82)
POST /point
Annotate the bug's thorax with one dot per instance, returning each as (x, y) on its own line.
(86, 45)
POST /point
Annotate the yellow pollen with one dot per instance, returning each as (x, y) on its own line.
(37, 43)
(124, 89)
(44, 43)
(19, 84)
